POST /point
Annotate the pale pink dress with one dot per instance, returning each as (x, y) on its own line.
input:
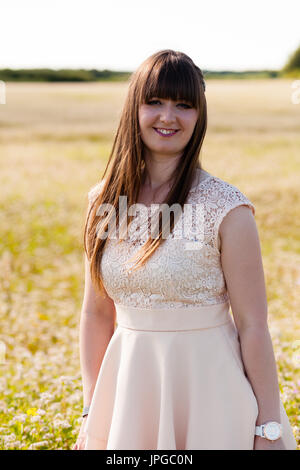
(172, 376)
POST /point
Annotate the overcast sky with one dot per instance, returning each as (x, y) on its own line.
(120, 34)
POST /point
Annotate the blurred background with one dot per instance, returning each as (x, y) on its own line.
(64, 69)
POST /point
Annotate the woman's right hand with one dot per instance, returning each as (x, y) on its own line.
(80, 442)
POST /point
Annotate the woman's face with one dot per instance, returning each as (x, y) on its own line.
(166, 125)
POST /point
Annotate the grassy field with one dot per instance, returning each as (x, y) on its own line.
(54, 141)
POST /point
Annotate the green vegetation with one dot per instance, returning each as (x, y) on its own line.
(81, 75)
(292, 67)
(62, 75)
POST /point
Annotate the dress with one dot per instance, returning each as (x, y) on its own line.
(172, 376)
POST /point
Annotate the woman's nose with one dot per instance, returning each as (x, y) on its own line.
(167, 113)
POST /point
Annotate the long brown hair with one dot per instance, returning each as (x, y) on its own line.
(167, 74)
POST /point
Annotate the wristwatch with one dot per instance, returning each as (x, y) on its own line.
(85, 411)
(270, 430)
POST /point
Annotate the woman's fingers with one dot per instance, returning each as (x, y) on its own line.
(80, 443)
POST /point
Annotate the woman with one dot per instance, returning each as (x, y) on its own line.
(178, 372)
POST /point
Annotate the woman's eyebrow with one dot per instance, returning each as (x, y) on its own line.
(170, 99)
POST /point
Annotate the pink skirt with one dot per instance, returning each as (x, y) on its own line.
(174, 379)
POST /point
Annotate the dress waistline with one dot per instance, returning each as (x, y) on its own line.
(173, 319)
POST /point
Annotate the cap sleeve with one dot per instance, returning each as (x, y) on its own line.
(95, 191)
(230, 198)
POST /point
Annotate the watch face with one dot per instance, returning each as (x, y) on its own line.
(272, 431)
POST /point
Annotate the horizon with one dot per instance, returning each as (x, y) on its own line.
(236, 36)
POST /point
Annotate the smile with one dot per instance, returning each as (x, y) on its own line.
(166, 132)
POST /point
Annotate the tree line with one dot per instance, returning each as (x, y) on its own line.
(81, 75)
(290, 69)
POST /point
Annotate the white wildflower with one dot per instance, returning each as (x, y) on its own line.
(10, 437)
(35, 419)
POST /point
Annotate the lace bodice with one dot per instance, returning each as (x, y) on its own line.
(176, 275)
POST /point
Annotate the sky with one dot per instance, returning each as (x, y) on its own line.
(120, 34)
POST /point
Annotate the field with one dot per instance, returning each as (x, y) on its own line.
(54, 142)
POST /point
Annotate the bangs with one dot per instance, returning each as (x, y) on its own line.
(174, 80)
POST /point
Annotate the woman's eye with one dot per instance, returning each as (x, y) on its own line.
(186, 106)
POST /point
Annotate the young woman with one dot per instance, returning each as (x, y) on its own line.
(178, 371)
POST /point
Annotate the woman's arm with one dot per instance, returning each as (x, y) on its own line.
(97, 324)
(243, 270)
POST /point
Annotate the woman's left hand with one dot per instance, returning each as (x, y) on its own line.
(264, 444)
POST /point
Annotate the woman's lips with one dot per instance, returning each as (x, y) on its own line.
(167, 134)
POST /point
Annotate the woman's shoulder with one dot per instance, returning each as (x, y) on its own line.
(95, 190)
(219, 193)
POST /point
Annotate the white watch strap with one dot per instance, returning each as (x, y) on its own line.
(259, 430)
